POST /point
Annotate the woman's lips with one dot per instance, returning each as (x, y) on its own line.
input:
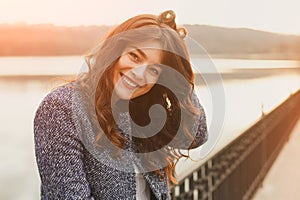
(129, 83)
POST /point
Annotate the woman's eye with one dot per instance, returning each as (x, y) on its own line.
(154, 71)
(134, 57)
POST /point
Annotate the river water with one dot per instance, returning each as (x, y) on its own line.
(250, 87)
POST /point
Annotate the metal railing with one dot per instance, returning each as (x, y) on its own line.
(238, 170)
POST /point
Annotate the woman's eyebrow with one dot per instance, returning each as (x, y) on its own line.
(140, 51)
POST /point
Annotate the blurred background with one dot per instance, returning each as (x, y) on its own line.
(254, 45)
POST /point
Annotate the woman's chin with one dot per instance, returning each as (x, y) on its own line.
(124, 95)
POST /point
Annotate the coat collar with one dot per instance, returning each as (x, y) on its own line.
(84, 125)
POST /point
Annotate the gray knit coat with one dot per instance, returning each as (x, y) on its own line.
(68, 170)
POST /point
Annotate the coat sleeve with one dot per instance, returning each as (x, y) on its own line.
(200, 126)
(59, 152)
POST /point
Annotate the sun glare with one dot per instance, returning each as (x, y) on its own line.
(274, 16)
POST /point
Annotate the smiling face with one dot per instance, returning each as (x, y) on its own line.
(137, 70)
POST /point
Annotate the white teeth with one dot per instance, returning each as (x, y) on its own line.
(129, 82)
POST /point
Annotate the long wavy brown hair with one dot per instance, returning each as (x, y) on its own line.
(97, 83)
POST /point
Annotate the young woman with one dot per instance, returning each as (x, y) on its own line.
(117, 131)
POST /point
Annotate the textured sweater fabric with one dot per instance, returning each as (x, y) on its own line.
(69, 170)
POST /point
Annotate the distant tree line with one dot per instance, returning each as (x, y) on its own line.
(42, 40)
(242, 41)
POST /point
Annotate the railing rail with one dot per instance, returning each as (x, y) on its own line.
(237, 171)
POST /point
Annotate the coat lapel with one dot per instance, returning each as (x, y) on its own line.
(158, 186)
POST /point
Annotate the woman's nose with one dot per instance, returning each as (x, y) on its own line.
(139, 71)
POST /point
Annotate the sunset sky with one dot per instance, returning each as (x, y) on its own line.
(281, 16)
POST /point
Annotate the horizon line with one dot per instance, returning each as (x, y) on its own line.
(111, 25)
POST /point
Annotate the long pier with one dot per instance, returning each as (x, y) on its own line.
(237, 171)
